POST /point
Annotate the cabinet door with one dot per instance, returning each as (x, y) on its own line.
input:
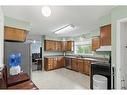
(105, 32)
(55, 65)
(80, 65)
(64, 44)
(74, 64)
(47, 45)
(87, 67)
(51, 63)
(59, 46)
(70, 46)
(95, 43)
(14, 34)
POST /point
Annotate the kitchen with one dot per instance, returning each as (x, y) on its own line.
(74, 53)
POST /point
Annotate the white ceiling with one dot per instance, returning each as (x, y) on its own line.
(85, 18)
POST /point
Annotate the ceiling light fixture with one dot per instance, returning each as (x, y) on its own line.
(64, 29)
(46, 11)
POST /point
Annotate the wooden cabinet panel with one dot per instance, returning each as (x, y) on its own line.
(60, 62)
(87, 67)
(95, 43)
(80, 65)
(53, 63)
(64, 43)
(74, 64)
(14, 34)
(105, 34)
(70, 46)
(58, 46)
(50, 45)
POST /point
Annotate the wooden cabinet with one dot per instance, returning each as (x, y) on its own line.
(95, 43)
(69, 46)
(14, 34)
(105, 35)
(74, 64)
(87, 67)
(64, 43)
(60, 62)
(50, 45)
(47, 45)
(48, 63)
(53, 63)
(58, 46)
(80, 65)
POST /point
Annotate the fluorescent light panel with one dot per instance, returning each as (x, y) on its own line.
(64, 29)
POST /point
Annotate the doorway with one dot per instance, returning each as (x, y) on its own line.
(121, 54)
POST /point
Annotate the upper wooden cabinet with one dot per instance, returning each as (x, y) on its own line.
(58, 46)
(95, 43)
(14, 34)
(105, 35)
(50, 45)
(70, 46)
(47, 45)
(64, 43)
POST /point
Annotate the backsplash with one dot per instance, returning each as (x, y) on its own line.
(50, 53)
(99, 54)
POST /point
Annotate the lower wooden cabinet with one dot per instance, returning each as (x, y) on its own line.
(87, 67)
(74, 64)
(53, 63)
(81, 65)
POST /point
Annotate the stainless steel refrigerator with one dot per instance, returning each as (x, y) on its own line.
(26, 56)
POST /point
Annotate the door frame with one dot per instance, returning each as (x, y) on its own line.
(118, 53)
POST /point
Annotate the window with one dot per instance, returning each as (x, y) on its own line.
(83, 47)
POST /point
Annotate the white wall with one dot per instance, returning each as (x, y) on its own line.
(1, 35)
(124, 54)
(35, 47)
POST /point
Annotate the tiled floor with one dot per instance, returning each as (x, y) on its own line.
(60, 79)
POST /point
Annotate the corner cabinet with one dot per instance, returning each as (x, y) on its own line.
(95, 43)
(105, 35)
(14, 34)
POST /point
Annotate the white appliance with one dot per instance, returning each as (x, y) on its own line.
(99, 82)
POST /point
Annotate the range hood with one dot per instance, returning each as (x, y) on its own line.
(104, 48)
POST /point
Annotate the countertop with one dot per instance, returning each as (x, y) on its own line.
(85, 58)
(89, 58)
